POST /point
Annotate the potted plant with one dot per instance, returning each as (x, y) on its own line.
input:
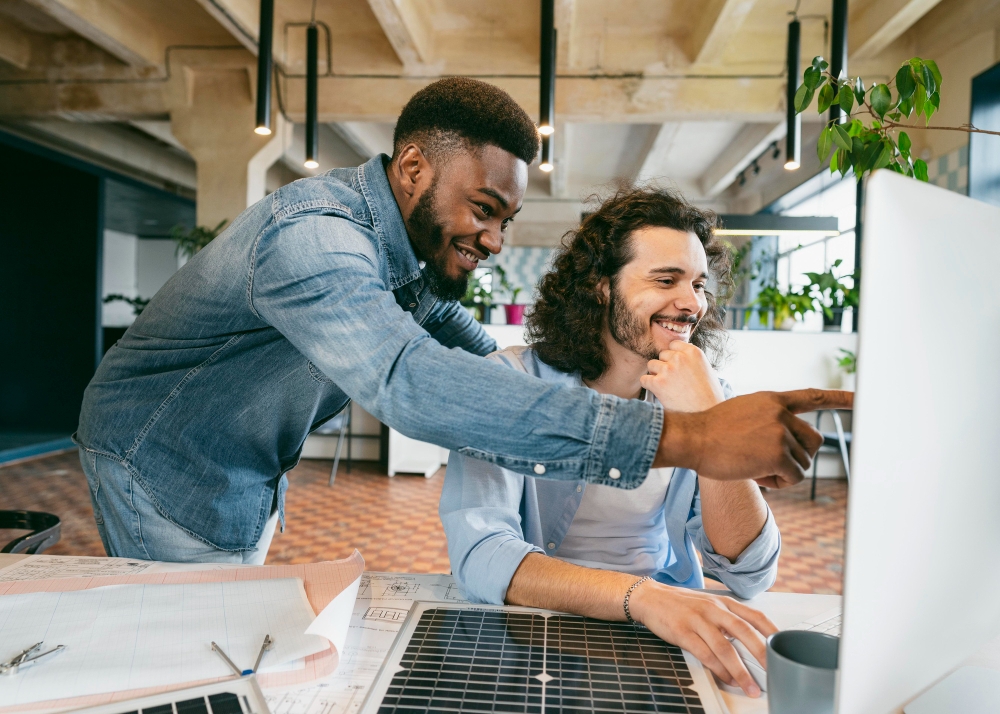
(478, 298)
(787, 307)
(513, 311)
(848, 363)
(191, 241)
(833, 295)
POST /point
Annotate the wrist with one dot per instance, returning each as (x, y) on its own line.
(639, 600)
(681, 440)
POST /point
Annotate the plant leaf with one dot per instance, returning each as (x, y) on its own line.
(825, 98)
(881, 99)
(833, 162)
(855, 127)
(819, 63)
(812, 78)
(919, 99)
(859, 90)
(930, 84)
(846, 98)
(904, 143)
(841, 137)
(905, 83)
(934, 71)
(906, 107)
(803, 97)
(883, 160)
(920, 170)
(917, 65)
(824, 144)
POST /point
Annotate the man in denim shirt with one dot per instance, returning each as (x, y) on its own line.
(343, 286)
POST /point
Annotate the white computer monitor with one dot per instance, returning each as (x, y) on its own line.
(922, 561)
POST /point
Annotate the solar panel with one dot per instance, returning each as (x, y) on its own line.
(231, 696)
(473, 658)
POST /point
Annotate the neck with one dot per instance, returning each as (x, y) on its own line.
(625, 367)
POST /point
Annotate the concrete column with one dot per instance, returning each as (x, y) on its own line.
(211, 98)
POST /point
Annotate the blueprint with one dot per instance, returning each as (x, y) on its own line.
(383, 601)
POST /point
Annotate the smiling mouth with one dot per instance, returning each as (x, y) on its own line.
(679, 328)
(469, 260)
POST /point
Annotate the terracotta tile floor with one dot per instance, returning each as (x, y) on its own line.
(394, 522)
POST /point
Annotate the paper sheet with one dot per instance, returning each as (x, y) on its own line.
(323, 583)
(125, 637)
(39, 567)
(382, 604)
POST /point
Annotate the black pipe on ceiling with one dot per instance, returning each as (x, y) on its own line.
(793, 139)
(838, 50)
(265, 67)
(547, 74)
(312, 98)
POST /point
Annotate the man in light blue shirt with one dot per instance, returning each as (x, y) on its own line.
(343, 286)
(627, 310)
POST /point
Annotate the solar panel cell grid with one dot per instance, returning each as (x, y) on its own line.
(467, 660)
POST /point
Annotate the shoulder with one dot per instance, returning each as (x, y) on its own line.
(525, 359)
(335, 193)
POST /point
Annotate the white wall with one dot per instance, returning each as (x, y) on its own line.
(134, 267)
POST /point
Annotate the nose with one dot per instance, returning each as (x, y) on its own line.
(491, 240)
(688, 300)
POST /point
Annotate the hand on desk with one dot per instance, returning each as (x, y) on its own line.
(756, 436)
(700, 623)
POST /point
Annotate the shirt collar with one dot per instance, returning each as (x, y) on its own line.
(388, 222)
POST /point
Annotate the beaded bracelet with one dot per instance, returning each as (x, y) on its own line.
(628, 594)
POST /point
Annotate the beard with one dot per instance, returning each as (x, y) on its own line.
(427, 235)
(627, 329)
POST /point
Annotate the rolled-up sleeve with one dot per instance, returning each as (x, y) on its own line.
(323, 292)
(480, 512)
(756, 568)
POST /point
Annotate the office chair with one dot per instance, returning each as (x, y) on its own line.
(44, 529)
(841, 440)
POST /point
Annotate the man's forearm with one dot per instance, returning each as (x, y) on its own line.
(733, 514)
(541, 581)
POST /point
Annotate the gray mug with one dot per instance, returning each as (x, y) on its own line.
(801, 672)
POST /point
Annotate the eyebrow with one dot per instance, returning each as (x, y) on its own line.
(496, 196)
(670, 270)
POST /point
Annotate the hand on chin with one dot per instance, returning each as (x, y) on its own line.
(683, 379)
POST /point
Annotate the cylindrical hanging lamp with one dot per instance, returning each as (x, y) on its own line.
(264, 67)
(793, 143)
(547, 73)
(838, 50)
(312, 75)
(547, 163)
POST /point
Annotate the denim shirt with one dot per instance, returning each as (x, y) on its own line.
(494, 517)
(311, 297)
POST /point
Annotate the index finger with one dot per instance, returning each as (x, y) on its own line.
(809, 400)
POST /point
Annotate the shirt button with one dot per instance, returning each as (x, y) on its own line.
(614, 474)
(539, 469)
(579, 488)
(413, 304)
(552, 546)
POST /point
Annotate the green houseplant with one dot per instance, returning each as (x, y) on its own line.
(786, 306)
(513, 311)
(833, 295)
(848, 363)
(191, 241)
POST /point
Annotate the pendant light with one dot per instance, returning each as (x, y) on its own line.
(312, 75)
(264, 67)
(793, 138)
(547, 74)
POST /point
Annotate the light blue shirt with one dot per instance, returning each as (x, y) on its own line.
(493, 517)
(310, 297)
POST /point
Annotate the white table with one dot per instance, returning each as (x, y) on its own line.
(384, 599)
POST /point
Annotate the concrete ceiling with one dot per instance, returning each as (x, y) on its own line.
(687, 92)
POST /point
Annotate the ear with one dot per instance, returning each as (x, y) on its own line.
(413, 170)
(604, 285)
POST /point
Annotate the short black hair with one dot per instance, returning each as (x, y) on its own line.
(466, 109)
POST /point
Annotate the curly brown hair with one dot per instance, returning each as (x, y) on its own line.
(565, 326)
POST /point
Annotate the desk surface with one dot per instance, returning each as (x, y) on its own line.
(382, 603)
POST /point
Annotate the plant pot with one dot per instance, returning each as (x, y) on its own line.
(515, 314)
(832, 324)
(848, 380)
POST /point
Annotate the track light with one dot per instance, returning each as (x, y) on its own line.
(793, 136)
(743, 179)
(547, 164)
(756, 167)
(547, 71)
(264, 67)
(312, 120)
(776, 151)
